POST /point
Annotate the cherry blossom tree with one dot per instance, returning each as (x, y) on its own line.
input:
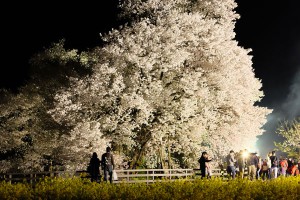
(290, 131)
(27, 132)
(169, 84)
(30, 138)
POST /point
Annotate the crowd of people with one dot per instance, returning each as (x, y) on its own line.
(237, 163)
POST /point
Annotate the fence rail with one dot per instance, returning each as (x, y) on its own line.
(128, 175)
(33, 177)
(215, 172)
(153, 175)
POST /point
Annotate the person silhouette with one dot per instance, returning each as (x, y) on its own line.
(94, 167)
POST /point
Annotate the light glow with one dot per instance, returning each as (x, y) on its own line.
(245, 154)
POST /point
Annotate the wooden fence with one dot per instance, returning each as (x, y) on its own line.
(128, 175)
(215, 172)
(33, 177)
(153, 175)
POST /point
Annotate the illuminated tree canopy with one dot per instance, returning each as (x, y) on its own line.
(172, 83)
(290, 131)
(167, 85)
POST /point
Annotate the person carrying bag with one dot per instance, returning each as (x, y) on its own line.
(107, 163)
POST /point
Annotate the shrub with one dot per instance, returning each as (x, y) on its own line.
(77, 188)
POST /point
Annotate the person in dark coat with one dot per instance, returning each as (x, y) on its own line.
(107, 162)
(274, 164)
(94, 168)
(203, 160)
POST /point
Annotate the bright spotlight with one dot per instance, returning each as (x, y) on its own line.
(245, 154)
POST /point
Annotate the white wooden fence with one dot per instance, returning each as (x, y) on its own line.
(153, 175)
(128, 175)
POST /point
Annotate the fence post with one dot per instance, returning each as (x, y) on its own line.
(147, 177)
(153, 172)
(127, 175)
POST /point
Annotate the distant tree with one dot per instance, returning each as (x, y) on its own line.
(171, 83)
(290, 131)
(27, 131)
(30, 138)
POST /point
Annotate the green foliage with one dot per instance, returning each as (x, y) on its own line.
(15, 191)
(290, 131)
(56, 53)
(51, 68)
(77, 188)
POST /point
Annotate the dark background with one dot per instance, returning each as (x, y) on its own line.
(29, 28)
(270, 28)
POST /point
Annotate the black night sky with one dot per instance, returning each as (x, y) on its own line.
(270, 28)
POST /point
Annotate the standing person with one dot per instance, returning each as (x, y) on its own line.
(264, 169)
(108, 164)
(94, 167)
(203, 166)
(269, 164)
(290, 164)
(274, 164)
(208, 167)
(293, 169)
(258, 168)
(252, 165)
(283, 166)
(231, 164)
